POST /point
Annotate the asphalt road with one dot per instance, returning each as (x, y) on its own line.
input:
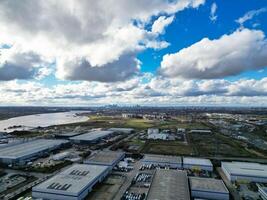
(128, 179)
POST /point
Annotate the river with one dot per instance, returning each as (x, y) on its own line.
(40, 120)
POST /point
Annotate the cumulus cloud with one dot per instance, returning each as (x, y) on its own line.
(161, 23)
(148, 90)
(15, 64)
(97, 32)
(229, 55)
(213, 9)
(249, 15)
(81, 69)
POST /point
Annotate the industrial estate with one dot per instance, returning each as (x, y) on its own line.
(134, 155)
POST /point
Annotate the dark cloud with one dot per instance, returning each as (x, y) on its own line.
(20, 66)
(80, 69)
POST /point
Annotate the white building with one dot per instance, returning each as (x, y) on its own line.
(158, 136)
(106, 158)
(169, 185)
(163, 161)
(73, 183)
(180, 130)
(245, 171)
(200, 131)
(208, 188)
(197, 163)
(91, 137)
(152, 131)
(61, 156)
(20, 153)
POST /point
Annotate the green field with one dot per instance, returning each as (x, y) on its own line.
(96, 121)
(218, 145)
(168, 148)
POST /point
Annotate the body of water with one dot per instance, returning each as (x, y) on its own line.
(40, 120)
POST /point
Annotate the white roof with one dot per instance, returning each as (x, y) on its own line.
(246, 168)
(28, 148)
(104, 157)
(200, 131)
(161, 158)
(71, 181)
(207, 185)
(92, 135)
(169, 185)
(197, 161)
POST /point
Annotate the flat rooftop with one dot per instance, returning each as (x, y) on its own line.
(69, 134)
(71, 181)
(246, 169)
(93, 135)
(28, 148)
(169, 185)
(104, 157)
(207, 185)
(200, 131)
(197, 161)
(124, 130)
(162, 158)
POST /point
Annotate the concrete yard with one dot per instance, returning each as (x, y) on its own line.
(108, 189)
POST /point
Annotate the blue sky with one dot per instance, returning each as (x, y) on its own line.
(143, 52)
(192, 25)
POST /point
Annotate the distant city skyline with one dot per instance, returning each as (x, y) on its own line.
(128, 52)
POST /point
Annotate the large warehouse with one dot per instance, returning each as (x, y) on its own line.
(245, 171)
(67, 135)
(122, 130)
(169, 185)
(208, 188)
(163, 161)
(72, 184)
(197, 163)
(23, 152)
(91, 137)
(106, 158)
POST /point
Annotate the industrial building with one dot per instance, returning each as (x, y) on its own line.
(245, 171)
(197, 164)
(20, 153)
(122, 130)
(180, 130)
(73, 183)
(169, 185)
(67, 135)
(61, 156)
(208, 188)
(163, 161)
(91, 137)
(158, 136)
(201, 131)
(152, 131)
(106, 158)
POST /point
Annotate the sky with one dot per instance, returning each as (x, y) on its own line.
(125, 52)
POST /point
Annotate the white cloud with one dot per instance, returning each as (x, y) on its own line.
(148, 89)
(229, 55)
(213, 9)
(100, 32)
(161, 23)
(249, 15)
